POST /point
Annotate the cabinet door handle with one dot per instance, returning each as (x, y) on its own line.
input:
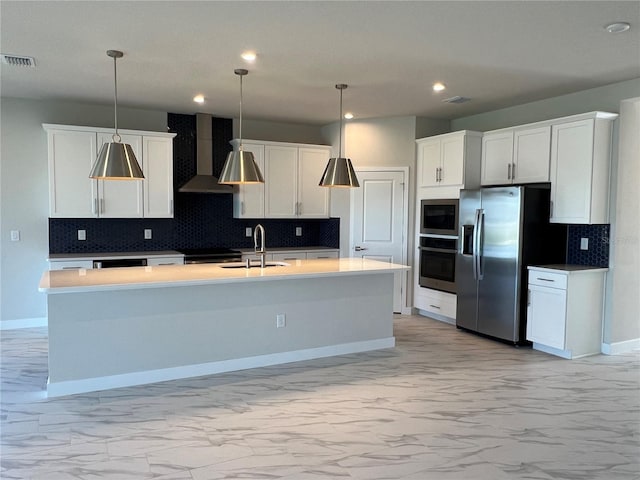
(509, 171)
(101, 205)
(528, 297)
(94, 208)
(545, 279)
(242, 209)
(441, 176)
(300, 208)
(437, 174)
(513, 171)
(171, 206)
(435, 306)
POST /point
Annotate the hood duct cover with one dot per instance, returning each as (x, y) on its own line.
(204, 181)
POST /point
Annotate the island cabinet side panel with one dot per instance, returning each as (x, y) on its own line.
(145, 335)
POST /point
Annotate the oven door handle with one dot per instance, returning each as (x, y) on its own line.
(439, 250)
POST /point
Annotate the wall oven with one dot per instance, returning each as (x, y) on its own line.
(438, 263)
(439, 217)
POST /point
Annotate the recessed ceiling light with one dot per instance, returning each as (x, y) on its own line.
(617, 27)
(249, 56)
(438, 87)
(198, 99)
(348, 115)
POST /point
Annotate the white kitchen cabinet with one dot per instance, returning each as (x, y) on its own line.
(72, 150)
(451, 159)
(565, 309)
(316, 254)
(157, 157)
(283, 255)
(169, 260)
(289, 256)
(291, 172)
(580, 169)
(516, 155)
(443, 304)
(248, 201)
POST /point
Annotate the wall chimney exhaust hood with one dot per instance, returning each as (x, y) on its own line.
(204, 181)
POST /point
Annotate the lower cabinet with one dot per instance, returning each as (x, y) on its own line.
(565, 309)
(437, 302)
(291, 255)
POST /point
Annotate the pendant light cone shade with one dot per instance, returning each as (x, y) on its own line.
(339, 171)
(240, 167)
(116, 160)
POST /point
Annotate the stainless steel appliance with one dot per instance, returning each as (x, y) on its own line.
(502, 230)
(210, 255)
(120, 262)
(438, 263)
(438, 216)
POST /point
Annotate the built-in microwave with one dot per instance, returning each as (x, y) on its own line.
(439, 217)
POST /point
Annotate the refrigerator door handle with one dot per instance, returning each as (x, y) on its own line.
(480, 243)
(474, 247)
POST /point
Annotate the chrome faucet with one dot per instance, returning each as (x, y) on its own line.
(262, 251)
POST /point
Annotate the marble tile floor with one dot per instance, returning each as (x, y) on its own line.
(443, 405)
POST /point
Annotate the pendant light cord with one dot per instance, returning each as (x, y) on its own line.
(240, 146)
(340, 144)
(115, 98)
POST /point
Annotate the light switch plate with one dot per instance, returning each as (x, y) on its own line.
(281, 320)
(82, 234)
(298, 231)
(584, 243)
(147, 234)
(248, 232)
(15, 235)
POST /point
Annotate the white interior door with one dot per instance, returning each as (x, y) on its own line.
(378, 228)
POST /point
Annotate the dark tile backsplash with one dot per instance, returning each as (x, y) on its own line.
(598, 253)
(200, 220)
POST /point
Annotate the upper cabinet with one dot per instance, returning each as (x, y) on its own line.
(516, 156)
(291, 173)
(452, 159)
(72, 150)
(580, 169)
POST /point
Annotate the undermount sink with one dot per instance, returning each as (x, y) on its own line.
(254, 264)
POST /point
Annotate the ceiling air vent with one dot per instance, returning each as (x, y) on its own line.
(456, 99)
(18, 60)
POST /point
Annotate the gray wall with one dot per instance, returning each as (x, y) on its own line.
(24, 199)
(621, 323)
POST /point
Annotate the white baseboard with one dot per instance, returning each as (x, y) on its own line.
(23, 323)
(71, 387)
(435, 316)
(621, 347)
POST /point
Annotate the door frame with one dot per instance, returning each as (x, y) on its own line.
(405, 309)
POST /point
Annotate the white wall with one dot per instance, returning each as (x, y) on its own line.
(625, 235)
(24, 201)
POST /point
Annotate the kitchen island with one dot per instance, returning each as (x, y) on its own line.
(118, 327)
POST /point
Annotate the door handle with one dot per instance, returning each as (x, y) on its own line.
(360, 249)
(508, 171)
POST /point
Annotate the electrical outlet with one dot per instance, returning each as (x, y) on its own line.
(147, 234)
(248, 232)
(584, 243)
(281, 320)
(15, 235)
(82, 234)
(298, 231)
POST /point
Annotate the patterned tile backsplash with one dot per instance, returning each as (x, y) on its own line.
(598, 253)
(200, 220)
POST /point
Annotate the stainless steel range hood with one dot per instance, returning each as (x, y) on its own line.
(204, 181)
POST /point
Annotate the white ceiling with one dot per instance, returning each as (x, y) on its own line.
(389, 52)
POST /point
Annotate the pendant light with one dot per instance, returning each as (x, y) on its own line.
(339, 171)
(116, 160)
(240, 167)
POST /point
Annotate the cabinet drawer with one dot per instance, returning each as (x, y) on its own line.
(288, 256)
(548, 279)
(173, 260)
(327, 254)
(437, 302)
(70, 264)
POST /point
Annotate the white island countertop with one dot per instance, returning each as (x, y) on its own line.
(131, 278)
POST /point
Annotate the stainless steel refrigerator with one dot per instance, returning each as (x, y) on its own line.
(502, 230)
